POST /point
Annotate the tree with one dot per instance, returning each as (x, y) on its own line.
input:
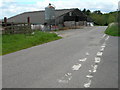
(111, 19)
(98, 12)
(88, 12)
(84, 10)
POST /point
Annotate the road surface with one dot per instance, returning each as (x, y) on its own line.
(84, 58)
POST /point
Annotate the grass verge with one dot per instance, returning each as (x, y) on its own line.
(0, 44)
(16, 42)
(113, 29)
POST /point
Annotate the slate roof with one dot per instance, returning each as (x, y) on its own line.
(36, 16)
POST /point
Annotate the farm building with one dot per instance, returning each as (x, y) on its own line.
(63, 17)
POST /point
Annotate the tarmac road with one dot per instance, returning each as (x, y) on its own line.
(86, 58)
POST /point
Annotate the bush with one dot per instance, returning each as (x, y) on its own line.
(113, 29)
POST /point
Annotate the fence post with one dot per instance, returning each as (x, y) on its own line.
(29, 25)
(5, 21)
(12, 28)
(28, 20)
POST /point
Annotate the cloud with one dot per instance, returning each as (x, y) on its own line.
(13, 7)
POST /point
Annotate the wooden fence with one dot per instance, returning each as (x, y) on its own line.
(16, 28)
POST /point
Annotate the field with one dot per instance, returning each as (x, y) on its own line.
(15, 42)
(113, 29)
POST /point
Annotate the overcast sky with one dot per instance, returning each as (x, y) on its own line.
(13, 7)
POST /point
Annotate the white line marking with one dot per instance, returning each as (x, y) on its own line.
(103, 46)
(68, 74)
(87, 85)
(97, 60)
(107, 38)
(92, 65)
(103, 35)
(95, 68)
(99, 53)
(90, 70)
(70, 78)
(94, 71)
(76, 67)
(63, 81)
(102, 49)
(82, 60)
(89, 76)
(87, 53)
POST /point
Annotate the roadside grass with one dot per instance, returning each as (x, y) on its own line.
(0, 44)
(113, 29)
(16, 42)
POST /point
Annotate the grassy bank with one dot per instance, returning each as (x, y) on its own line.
(12, 43)
(0, 44)
(113, 29)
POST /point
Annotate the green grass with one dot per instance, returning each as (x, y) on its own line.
(15, 42)
(0, 44)
(113, 29)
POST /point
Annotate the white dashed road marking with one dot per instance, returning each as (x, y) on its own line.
(76, 67)
(97, 59)
(103, 35)
(95, 68)
(87, 85)
(63, 81)
(89, 76)
(107, 38)
(87, 53)
(68, 74)
(82, 60)
(102, 49)
(99, 53)
(103, 46)
(70, 78)
(90, 71)
(66, 78)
